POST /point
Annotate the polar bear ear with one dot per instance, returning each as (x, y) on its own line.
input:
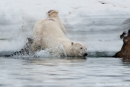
(49, 12)
(72, 43)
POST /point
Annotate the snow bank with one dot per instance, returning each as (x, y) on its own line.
(96, 23)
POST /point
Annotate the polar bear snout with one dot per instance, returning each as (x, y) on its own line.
(85, 54)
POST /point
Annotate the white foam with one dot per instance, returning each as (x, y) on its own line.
(52, 52)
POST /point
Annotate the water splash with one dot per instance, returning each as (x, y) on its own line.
(47, 53)
(51, 52)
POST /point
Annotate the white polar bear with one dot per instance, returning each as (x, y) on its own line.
(48, 34)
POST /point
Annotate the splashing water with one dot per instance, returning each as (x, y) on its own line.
(47, 53)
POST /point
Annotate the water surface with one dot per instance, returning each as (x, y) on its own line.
(57, 72)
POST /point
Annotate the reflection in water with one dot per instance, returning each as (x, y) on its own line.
(126, 61)
(57, 61)
(56, 72)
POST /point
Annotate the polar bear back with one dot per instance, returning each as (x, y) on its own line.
(52, 29)
(48, 34)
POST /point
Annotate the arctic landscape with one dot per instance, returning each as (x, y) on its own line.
(96, 23)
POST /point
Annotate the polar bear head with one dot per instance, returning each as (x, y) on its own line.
(79, 50)
(52, 13)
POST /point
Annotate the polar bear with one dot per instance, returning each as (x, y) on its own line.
(53, 14)
(48, 34)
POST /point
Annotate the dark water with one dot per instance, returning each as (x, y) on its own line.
(55, 72)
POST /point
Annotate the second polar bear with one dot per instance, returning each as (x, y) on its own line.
(53, 14)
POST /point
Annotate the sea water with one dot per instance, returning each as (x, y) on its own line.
(64, 72)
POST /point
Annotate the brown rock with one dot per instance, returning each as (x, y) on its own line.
(125, 50)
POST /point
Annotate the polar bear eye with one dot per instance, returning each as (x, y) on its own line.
(81, 48)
